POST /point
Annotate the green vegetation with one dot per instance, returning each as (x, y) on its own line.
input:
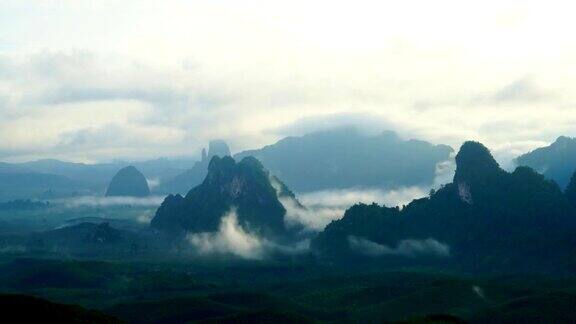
(243, 291)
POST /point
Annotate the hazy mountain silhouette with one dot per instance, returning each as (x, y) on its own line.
(556, 161)
(128, 182)
(344, 158)
(23, 184)
(185, 181)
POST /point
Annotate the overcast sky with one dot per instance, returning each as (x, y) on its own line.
(98, 80)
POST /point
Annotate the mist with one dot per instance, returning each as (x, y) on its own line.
(95, 201)
(405, 248)
(231, 238)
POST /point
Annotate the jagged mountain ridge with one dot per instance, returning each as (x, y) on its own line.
(489, 218)
(244, 186)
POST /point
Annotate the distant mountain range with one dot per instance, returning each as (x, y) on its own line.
(24, 185)
(556, 161)
(334, 159)
(49, 179)
(346, 158)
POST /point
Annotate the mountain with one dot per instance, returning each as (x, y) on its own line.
(243, 186)
(128, 182)
(344, 158)
(97, 175)
(556, 161)
(486, 219)
(26, 185)
(185, 181)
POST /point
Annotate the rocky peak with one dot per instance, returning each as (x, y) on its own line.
(474, 161)
(475, 168)
(218, 148)
(563, 142)
(244, 186)
(128, 182)
(232, 178)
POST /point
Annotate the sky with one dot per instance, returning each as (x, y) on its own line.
(101, 80)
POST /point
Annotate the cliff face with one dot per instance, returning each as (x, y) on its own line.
(128, 182)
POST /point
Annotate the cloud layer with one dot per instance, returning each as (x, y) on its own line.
(95, 81)
(96, 201)
(405, 248)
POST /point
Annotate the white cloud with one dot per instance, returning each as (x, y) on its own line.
(153, 183)
(343, 198)
(230, 238)
(319, 208)
(406, 248)
(94, 201)
(146, 217)
(313, 218)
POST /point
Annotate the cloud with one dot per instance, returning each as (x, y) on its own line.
(153, 183)
(146, 217)
(173, 86)
(405, 248)
(315, 210)
(367, 123)
(343, 198)
(313, 218)
(231, 238)
(444, 172)
(93, 201)
(323, 207)
(522, 90)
